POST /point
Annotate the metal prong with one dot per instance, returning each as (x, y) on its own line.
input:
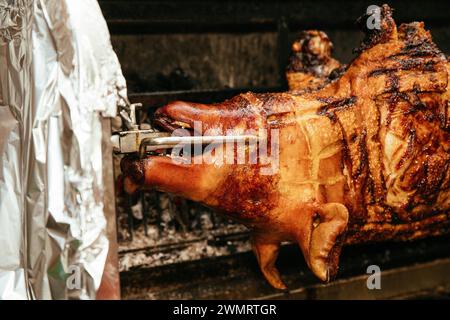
(128, 113)
(130, 216)
(157, 143)
(157, 203)
(144, 213)
(175, 213)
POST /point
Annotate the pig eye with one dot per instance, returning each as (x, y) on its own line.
(316, 220)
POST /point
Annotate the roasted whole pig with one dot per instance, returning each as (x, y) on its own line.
(363, 158)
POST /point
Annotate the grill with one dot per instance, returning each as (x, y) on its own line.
(207, 52)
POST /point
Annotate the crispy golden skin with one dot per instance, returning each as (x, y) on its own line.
(365, 158)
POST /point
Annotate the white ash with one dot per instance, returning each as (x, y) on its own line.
(195, 251)
(189, 229)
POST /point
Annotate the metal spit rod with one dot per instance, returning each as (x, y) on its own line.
(158, 143)
(142, 141)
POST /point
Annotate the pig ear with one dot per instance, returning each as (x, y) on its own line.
(321, 237)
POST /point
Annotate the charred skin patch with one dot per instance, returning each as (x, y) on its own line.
(333, 257)
(133, 167)
(168, 124)
(248, 196)
(333, 105)
(133, 170)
